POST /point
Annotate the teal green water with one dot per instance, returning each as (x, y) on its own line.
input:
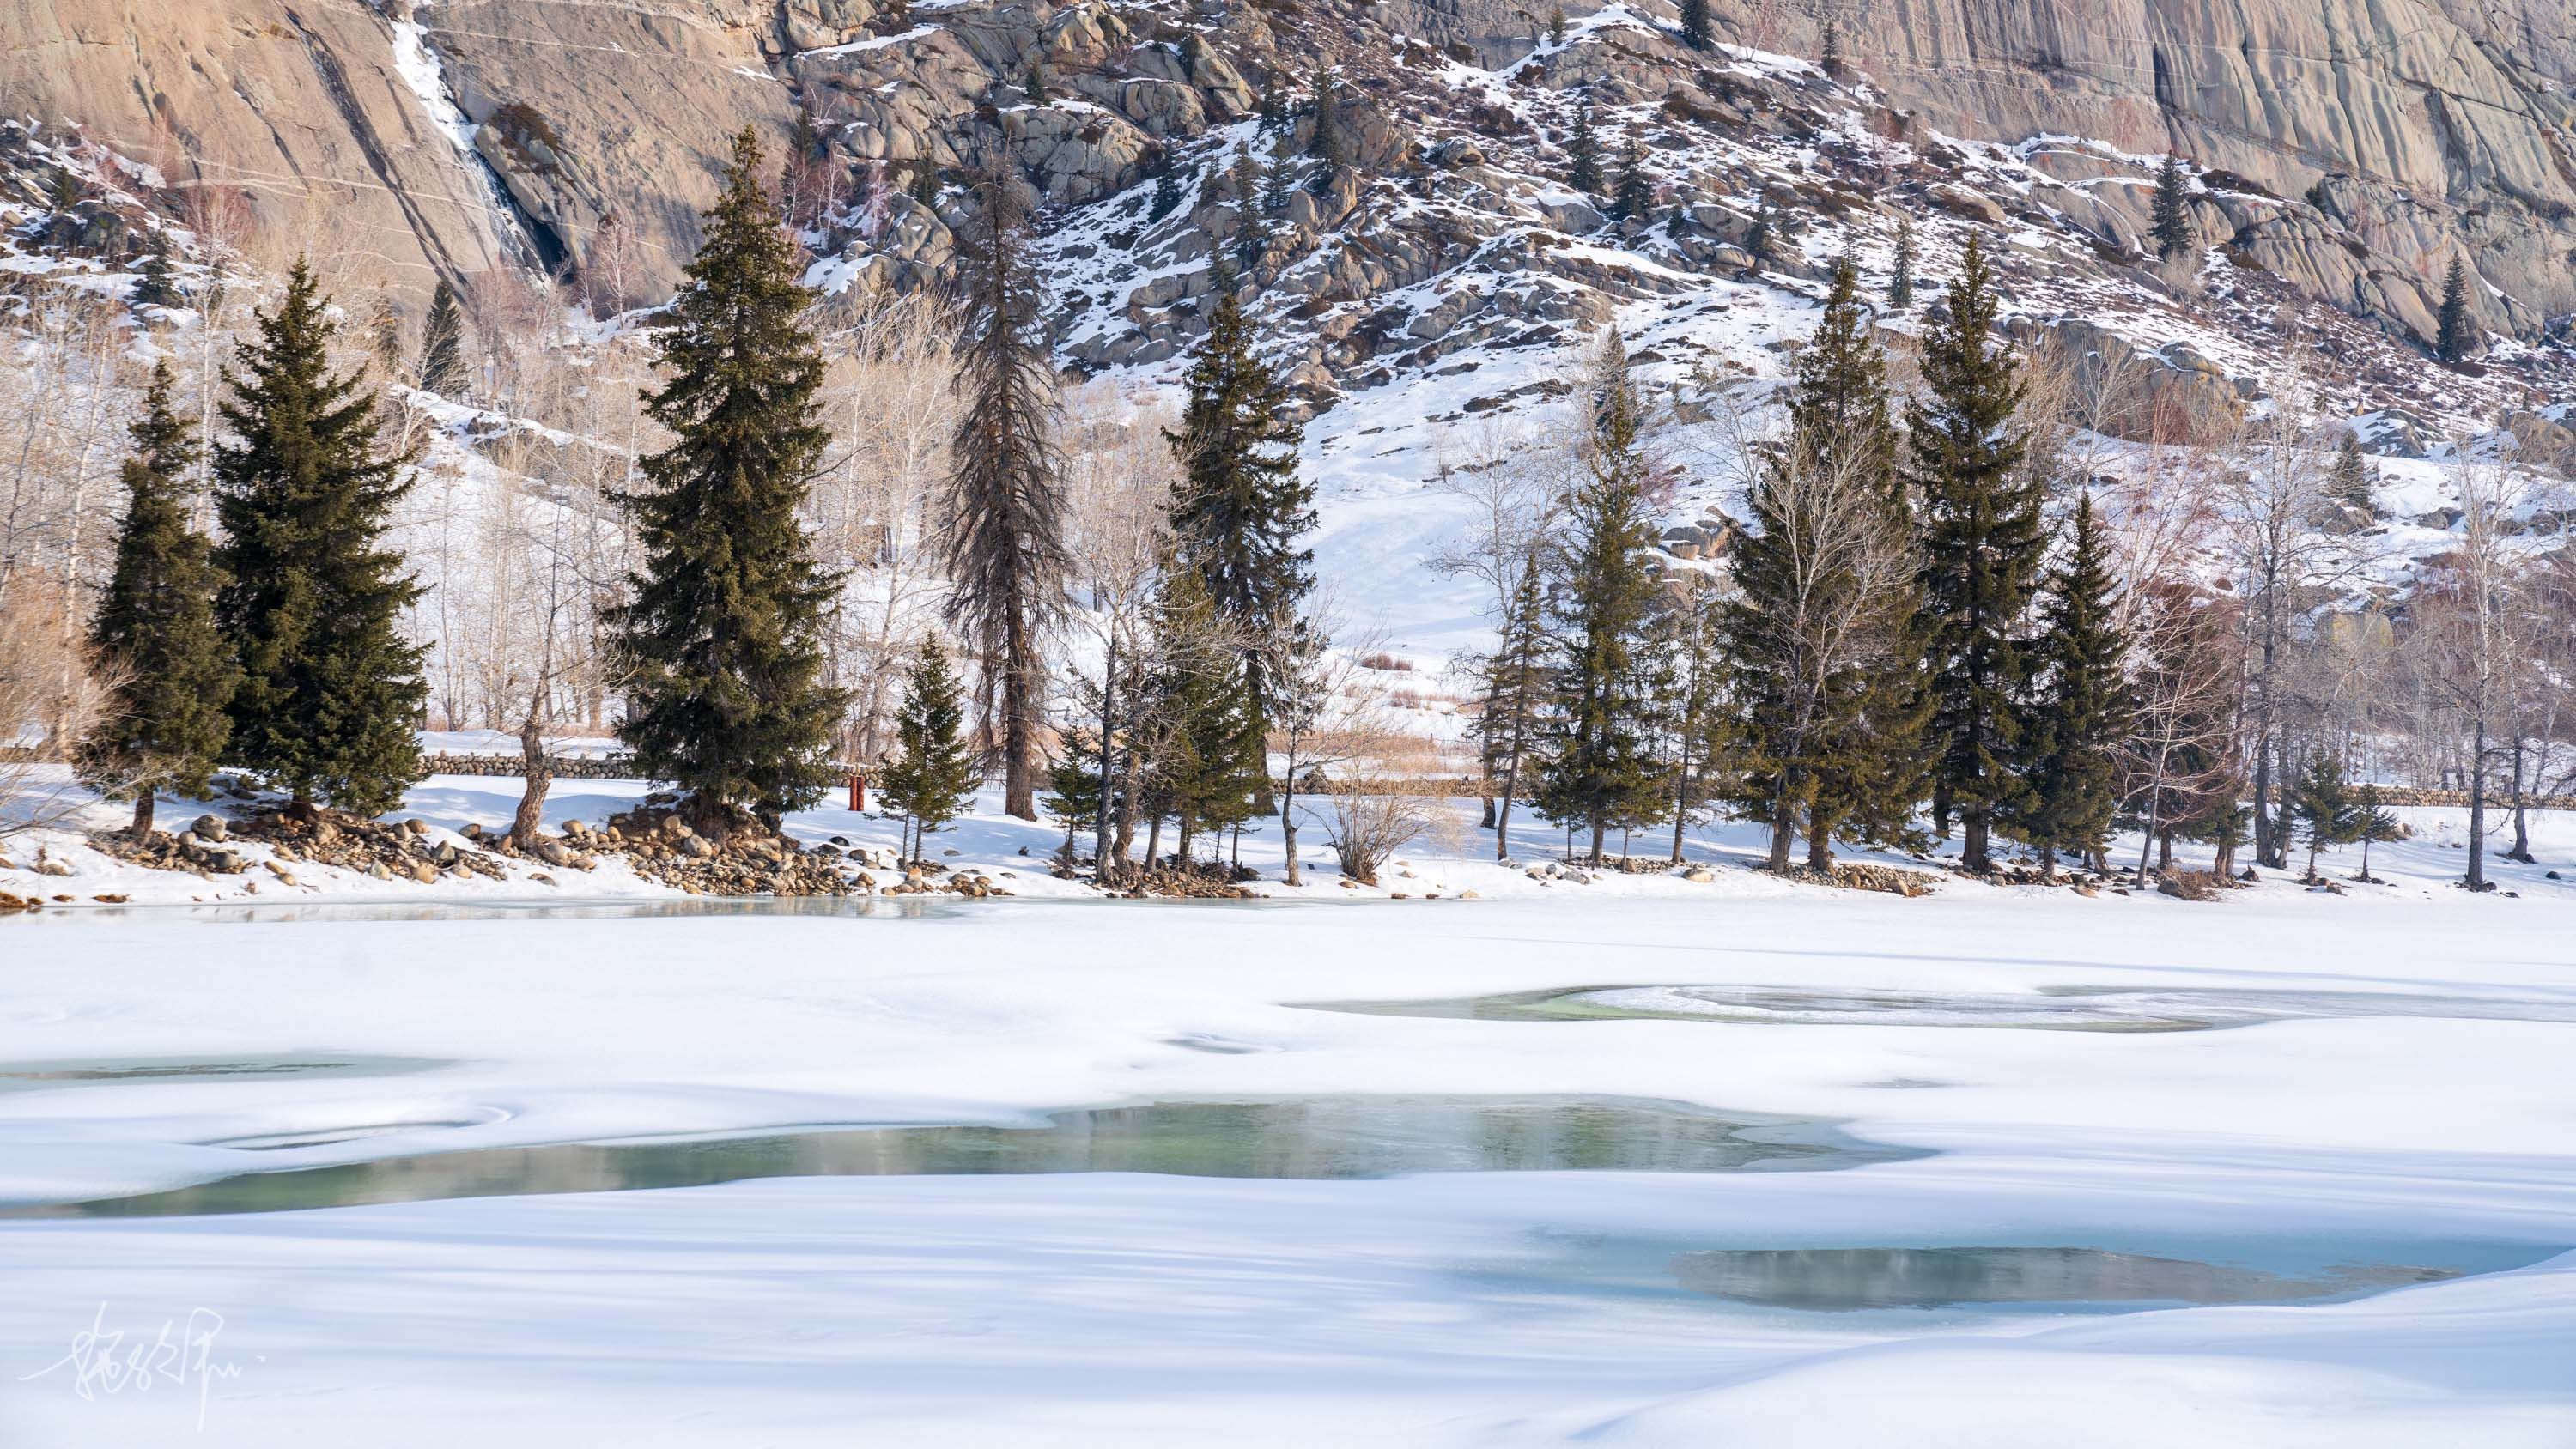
(1319, 1137)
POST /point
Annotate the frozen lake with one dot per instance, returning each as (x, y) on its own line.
(2292, 1171)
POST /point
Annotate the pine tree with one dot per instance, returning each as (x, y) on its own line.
(721, 639)
(2172, 225)
(1033, 85)
(2458, 331)
(1757, 240)
(1328, 144)
(1251, 223)
(1695, 27)
(1167, 193)
(1556, 26)
(1005, 500)
(2321, 800)
(1206, 754)
(1583, 153)
(1274, 102)
(1830, 58)
(1900, 280)
(1241, 506)
(155, 631)
(154, 283)
(1073, 780)
(1820, 639)
(442, 345)
(933, 778)
(1274, 190)
(330, 693)
(2351, 480)
(1601, 772)
(2373, 821)
(925, 183)
(2082, 711)
(1983, 545)
(1634, 199)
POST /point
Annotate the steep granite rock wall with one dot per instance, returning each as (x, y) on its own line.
(2431, 122)
(296, 107)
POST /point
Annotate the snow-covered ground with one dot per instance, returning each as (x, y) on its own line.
(1436, 1309)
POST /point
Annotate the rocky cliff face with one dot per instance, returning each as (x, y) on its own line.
(2346, 148)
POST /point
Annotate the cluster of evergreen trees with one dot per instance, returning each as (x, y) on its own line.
(1897, 635)
(278, 650)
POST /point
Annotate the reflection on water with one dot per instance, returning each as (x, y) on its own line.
(1323, 1137)
(2052, 1009)
(24, 1075)
(1853, 1278)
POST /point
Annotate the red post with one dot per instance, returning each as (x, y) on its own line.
(858, 792)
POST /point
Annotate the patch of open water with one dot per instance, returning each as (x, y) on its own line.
(1310, 1137)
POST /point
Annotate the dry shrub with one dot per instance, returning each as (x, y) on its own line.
(49, 698)
(1374, 815)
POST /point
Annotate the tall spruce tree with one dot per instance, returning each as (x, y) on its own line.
(2082, 711)
(933, 777)
(2351, 480)
(2457, 331)
(1583, 152)
(1275, 188)
(1695, 27)
(1251, 220)
(1900, 277)
(1007, 559)
(330, 694)
(1241, 507)
(442, 345)
(721, 639)
(1634, 199)
(1601, 770)
(1274, 102)
(1167, 192)
(174, 673)
(1821, 640)
(1206, 746)
(1330, 141)
(1983, 546)
(2172, 222)
(1758, 239)
(1829, 55)
(1556, 26)
(1871, 758)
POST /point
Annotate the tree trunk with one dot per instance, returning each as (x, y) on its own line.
(532, 795)
(2477, 880)
(1288, 821)
(1108, 719)
(143, 813)
(1600, 834)
(1784, 830)
(1972, 842)
(1019, 743)
(2521, 811)
(1820, 843)
(1681, 806)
